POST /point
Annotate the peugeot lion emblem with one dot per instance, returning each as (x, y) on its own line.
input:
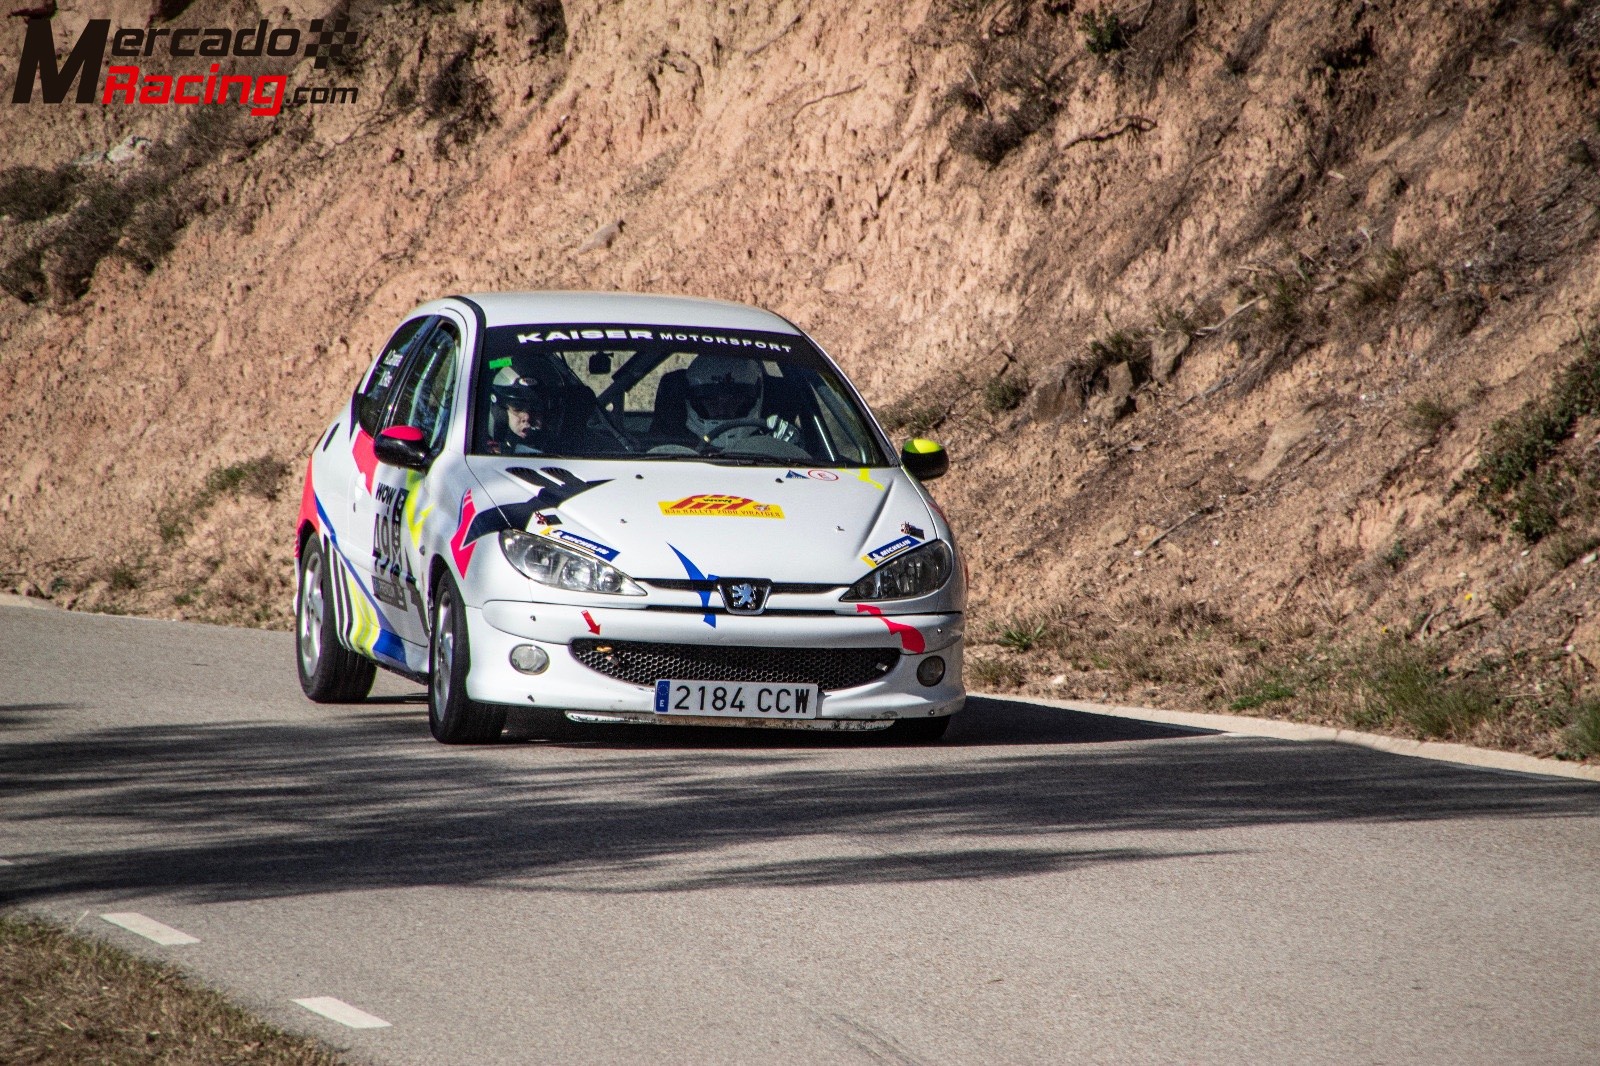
(742, 595)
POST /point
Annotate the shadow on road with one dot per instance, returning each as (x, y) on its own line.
(364, 799)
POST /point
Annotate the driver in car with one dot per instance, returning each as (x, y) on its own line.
(725, 397)
(524, 417)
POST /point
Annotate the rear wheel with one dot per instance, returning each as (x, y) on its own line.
(452, 717)
(919, 730)
(329, 672)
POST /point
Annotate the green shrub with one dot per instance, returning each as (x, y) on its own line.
(1103, 31)
(1383, 282)
(1513, 478)
(28, 194)
(1583, 734)
(994, 673)
(1022, 636)
(1264, 691)
(1003, 394)
(1403, 685)
(1429, 416)
(912, 418)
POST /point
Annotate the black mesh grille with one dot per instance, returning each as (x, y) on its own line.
(644, 664)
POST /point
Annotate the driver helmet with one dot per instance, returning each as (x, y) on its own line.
(722, 388)
(511, 390)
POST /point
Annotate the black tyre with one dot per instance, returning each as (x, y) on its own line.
(918, 730)
(452, 717)
(329, 672)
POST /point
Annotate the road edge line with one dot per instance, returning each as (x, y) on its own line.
(1437, 750)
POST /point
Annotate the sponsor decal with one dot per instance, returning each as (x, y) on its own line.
(814, 475)
(390, 563)
(697, 576)
(594, 627)
(79, 73)
(910, 639)
(583, 544)
(389, 591)
(556, 486)
(461, 544)
(884, 552)
(912, 531)
(866, 476)
(572, 333)
(713, 504)
(566, 334)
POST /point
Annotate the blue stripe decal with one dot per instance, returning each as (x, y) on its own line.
(388, 644)
(695, 575)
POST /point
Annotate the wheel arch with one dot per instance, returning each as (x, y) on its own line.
(306, 531)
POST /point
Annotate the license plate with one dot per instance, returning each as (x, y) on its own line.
(727, 699)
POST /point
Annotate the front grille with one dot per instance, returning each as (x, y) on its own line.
(781, 588)
(640, 663)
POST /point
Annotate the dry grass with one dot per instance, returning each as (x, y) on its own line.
(66, 998)
(1172, 651)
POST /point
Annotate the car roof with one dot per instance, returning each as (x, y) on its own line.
(527, 308)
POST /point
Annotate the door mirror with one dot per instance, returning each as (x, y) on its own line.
(924, 459)
(599, 364)
(401, 446)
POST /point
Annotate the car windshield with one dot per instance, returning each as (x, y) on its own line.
(666, 393)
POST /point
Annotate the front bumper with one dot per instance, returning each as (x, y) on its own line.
(501, 625)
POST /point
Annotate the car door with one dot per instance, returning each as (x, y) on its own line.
(351, 513)
(425, 399)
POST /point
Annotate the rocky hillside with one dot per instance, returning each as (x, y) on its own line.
(1263, 335)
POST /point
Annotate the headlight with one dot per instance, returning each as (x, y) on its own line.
(550, 564)
(916, 573)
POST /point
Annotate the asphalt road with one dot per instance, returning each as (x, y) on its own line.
(1046, 886)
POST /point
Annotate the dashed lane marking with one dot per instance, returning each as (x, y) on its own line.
(150, 929)
(343, 1013)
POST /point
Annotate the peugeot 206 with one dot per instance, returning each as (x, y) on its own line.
(625, 509)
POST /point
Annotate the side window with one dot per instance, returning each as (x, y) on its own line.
(374, 394)
(428, 387)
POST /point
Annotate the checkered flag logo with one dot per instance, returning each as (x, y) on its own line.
(330, 41)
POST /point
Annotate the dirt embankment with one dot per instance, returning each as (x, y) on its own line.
(1216, 305)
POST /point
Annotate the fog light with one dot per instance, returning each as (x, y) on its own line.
(532, 660)
(930, 671)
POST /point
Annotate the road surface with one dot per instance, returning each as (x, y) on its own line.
(1046, 886)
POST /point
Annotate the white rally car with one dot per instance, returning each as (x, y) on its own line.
(627, 509)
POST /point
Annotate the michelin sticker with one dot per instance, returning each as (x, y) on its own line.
(880, 555)
(583, 544)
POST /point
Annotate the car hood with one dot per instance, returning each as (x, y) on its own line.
(675, 520)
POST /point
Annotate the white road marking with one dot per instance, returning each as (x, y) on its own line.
(343, 1013)
(150, 929)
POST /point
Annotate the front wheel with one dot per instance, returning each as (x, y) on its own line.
(329, 672)
(452, 717)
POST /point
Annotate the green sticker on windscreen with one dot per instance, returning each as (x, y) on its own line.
(499, 364)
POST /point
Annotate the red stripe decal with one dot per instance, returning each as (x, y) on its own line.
(910, 639)
(461, 551)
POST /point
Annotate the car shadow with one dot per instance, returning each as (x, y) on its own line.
(363, 798)
(986, 721)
